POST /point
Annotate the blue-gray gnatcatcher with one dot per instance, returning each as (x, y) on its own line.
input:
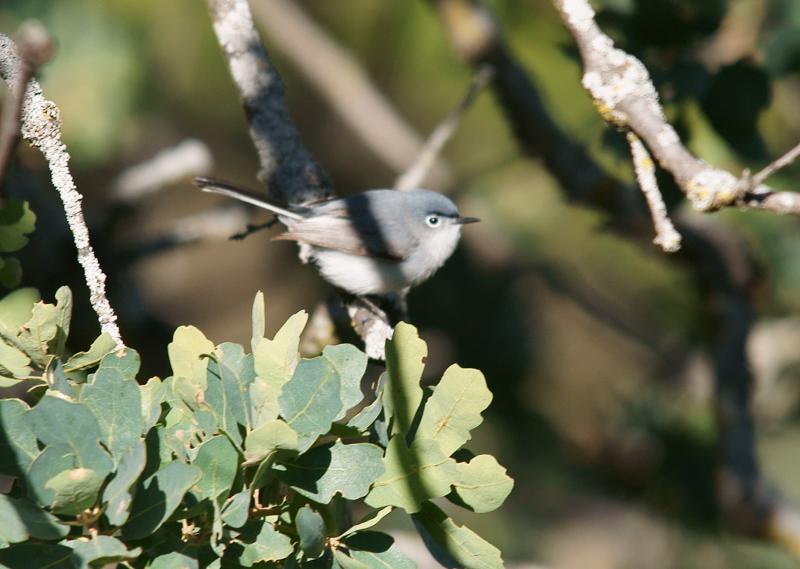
(375, 242)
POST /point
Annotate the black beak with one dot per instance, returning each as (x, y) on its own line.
(465, 220)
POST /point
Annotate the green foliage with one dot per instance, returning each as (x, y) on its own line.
(236, 458)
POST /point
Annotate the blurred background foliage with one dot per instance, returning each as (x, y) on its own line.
(591, 346)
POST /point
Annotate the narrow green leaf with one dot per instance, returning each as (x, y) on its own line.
(259, 321)
(310, 400)
(350, 363)
(405, 354)
(114, 398)
(18, 446)
(364, 419)
(218, 402)
(100, 550)
(413, 475)
(455, 408)
(482, 484)
(218, 461)
(311, 529)
(117, 494)
(152, 394)
(268, 438)
(100, 348)
(370, 521)
(270, 545)
(235, 370)
(333, 469)
(64, 308)
(74, 490)
(158, 497)
(460, 543)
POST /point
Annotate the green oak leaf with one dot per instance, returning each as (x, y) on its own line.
(114, 397)
(100, 348)
(236, 509)
(218, 461)
(152, 394)
(16, 222)
(259, 321)
(236, 372)
(459, 543)
(188, 356)
(63, 319)
(158, 497)
(276, 359)
(369, 521)
(117, 494)
(21, 519)
(18, 446)
(310, 401)
(405, 355)
(311, 530)
(413, 475)
(74, 490)
(266, 439)
(482, 484)
(332, 469)
(49, 555)
(375, 549)
(56, 421)
(454, 408)
(100, 551)
(350, 363)
(13, 361)
(37, 333)
(15, 310)
(270, 545)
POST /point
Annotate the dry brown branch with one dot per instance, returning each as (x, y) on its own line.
(725, 273)
(343, 83)
(418, 171)
(620, 87)
(41, 126)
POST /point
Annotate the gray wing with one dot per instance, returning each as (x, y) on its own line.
(371, 224)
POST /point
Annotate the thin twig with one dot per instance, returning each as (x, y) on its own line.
(778, 164)
(666, 236)
(415, 175)
(41, 126)
(34, 48)
(623, 92)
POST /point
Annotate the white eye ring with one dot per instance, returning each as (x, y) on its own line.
(433, 221)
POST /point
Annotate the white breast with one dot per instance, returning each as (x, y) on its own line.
(358, 274)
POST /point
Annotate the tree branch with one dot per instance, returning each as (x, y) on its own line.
(725, 273)
(426, 159)
(41, 126)
(288, 171)
(620, 87)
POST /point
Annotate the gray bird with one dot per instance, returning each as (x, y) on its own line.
(374, 242)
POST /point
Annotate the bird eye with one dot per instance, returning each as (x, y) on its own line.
(433, 221)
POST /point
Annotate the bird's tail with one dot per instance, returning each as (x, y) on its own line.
(215, 186)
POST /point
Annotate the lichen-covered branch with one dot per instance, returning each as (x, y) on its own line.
(41, 126)
(666, 236)
(620, 87)
(288, 171)
(725, 273)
